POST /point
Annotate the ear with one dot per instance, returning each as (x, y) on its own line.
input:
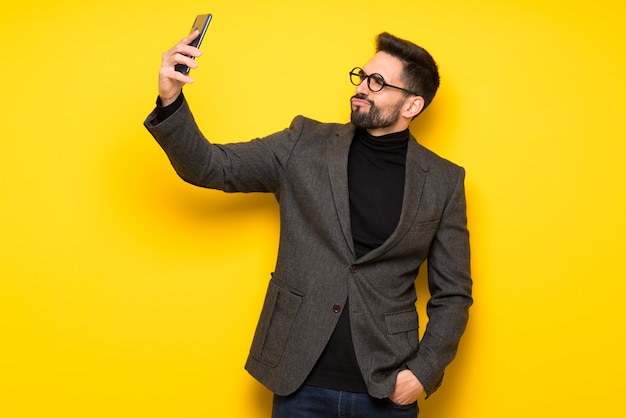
(413, 106)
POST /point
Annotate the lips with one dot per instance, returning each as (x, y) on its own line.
(356, 101)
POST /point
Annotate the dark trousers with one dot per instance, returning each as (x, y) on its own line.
(314, 402)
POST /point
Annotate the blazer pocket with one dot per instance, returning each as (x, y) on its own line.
(274, 328)
(404, 325)
(421, 235)
(425, 226)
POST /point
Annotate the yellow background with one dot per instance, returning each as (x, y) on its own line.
(126, 292)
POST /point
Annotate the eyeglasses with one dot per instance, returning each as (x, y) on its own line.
(375, 82)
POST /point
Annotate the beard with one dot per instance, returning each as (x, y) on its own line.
(376, 117)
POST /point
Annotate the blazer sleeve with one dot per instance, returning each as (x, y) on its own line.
(450, 286)
(254, 166)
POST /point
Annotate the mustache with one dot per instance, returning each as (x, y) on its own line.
(362, 96)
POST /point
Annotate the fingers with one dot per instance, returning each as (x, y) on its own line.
(182, 53)
(170, 80)
(190, 38)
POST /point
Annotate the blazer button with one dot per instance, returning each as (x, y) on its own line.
(336, 308)
(353, 269)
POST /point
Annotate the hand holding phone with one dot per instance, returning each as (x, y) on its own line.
(200, 24)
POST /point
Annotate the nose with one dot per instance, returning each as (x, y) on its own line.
(362, 88)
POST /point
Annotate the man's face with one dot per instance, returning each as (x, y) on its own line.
(371, 116)
(380, 112)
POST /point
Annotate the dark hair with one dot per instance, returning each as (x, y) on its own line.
(420, 69)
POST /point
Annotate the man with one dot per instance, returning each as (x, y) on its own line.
(362, 206)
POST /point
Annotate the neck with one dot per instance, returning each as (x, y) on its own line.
(391, 139)
(383, 132)
(388, 130)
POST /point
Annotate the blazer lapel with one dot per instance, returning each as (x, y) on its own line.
(415, 176)
(337, 156)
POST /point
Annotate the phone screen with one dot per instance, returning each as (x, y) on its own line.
(201, 24)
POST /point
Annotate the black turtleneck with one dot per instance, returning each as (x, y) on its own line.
(376, 184)
(376, 168)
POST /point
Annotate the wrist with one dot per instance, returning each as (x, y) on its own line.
(166, 101)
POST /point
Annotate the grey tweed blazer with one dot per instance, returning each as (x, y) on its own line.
(305, 167)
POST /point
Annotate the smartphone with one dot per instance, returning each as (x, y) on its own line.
(201, 24)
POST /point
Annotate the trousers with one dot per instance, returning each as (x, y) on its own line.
(315, 402)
